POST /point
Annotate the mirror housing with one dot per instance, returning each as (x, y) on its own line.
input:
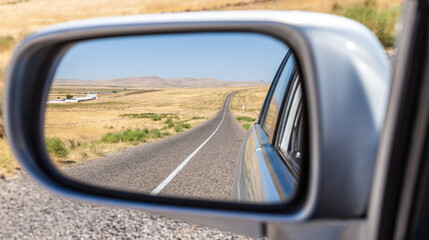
(346, 80)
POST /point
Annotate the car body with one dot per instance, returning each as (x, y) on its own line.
(274, 158)
(362, 171)
(283, 104)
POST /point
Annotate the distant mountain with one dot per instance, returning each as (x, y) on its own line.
(157, 82)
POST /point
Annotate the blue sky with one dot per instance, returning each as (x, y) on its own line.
(224, 56)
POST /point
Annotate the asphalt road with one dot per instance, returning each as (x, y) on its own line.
(199, 163)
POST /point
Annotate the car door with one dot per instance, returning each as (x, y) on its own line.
(398, 207)
(261, 161)
(290, 132)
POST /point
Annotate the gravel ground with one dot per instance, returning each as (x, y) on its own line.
(28, 211)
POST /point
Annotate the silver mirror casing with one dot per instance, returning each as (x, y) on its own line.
(346, 80)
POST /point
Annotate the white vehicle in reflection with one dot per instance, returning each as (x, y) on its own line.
(89, 97)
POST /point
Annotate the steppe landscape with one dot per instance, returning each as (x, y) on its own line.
(129, 112)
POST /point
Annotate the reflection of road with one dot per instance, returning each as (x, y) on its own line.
(198, 163)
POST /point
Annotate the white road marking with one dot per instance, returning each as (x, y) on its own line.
(177, 170)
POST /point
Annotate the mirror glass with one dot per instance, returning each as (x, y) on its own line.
(177, 115)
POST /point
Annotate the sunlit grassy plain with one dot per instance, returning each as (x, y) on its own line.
(19, 18)
(81, 128)
(252, 99)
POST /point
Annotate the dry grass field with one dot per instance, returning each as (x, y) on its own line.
(80, 127)
(19, 18)
(252, 99)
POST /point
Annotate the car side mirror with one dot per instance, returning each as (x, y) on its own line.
(90, 107)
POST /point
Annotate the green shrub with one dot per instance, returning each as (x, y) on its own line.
(155, 133)
(55, 146)
(246, 126)
(246, 119)
(69, 96)
(157, 118)
(196, 118)
(111, 138)
(380, 22)
(169, 122)
(178, 128)
(133, 136)
(164, 134)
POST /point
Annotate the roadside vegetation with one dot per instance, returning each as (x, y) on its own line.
(245, 121)
(179, 127)
(60, 150)
(152, 116)
(382, 22)
(252, 100)
(134, 136)
(56, 147)
(246, 126)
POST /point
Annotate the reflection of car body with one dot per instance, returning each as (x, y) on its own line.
(280, 125)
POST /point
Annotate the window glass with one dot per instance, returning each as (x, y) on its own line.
(278, 96)
(291, 137)
(290, 120)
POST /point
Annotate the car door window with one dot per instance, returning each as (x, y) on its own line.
(277, 97)
(291, 129)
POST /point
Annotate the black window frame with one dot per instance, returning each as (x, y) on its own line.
(290, 161)
(266, 106)
(263, 112)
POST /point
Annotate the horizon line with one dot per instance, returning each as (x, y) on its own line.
(56, 79)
